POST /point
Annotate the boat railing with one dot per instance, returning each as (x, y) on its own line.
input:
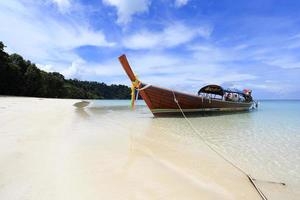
(211, 96)
(240, 98)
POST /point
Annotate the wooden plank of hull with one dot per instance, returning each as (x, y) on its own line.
(162, 103)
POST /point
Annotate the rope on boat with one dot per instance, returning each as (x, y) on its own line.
(143, 88)
(140, 89)
(135, 86)
(218, 153)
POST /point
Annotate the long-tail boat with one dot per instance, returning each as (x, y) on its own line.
(166, 102)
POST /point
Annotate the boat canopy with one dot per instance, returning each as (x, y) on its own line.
(212, 89)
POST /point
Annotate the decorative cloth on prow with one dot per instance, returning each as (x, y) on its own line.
(134, 85)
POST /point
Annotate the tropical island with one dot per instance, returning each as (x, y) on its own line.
(20, 77)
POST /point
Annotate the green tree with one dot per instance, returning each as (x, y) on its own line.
(33, 81)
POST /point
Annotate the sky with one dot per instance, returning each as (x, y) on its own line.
(178, 44)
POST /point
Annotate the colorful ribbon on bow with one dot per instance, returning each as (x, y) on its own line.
(134, 85)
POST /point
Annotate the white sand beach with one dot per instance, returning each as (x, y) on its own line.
(50, 149)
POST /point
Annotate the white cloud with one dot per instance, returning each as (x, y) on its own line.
(168, 70)
(47, 67)
(171, 36)
(81, 69)
(163, 69)
(274, 87)
(209, 53)
(285, 62)
(228, 77)
(76, 69)
(63, 5)
(179, 3)
(127, 8)
(293, 42)
(42, 37)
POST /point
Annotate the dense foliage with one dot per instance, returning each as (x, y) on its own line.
(20, 77)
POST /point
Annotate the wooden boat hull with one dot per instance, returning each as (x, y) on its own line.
(161, 102)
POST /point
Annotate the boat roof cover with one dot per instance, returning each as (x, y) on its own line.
(216, 89)
(212, 89)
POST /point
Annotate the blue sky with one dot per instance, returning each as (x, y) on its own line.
(179, 44)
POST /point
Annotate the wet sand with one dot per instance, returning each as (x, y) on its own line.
(50, 149)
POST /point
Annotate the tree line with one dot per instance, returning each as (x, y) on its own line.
(21, 77)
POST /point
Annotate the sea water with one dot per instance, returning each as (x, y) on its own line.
(264, 142)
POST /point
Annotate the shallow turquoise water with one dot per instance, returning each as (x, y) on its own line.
(264, 142)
